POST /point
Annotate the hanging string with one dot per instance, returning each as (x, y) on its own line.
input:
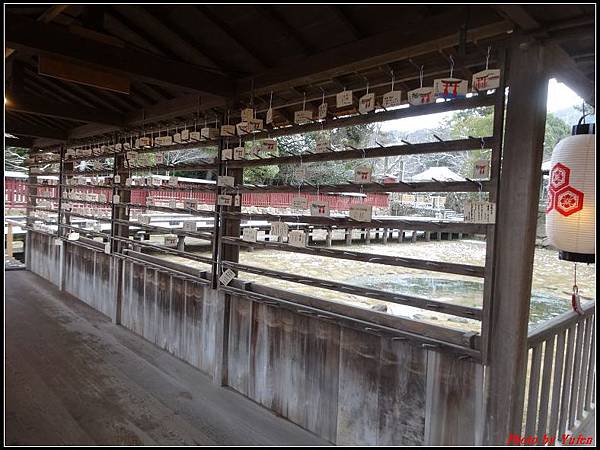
(392, 79)
(271, 100)
(575, 299)
(487, 58)
(451, 65)
(304, 102)
(421, 76)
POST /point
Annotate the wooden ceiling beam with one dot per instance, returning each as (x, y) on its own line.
(231, 34)
(39, 106)
(46, 17)
(372, 52)
(284, 28)
(33, 131)
(342, 15)
(558, 62)
(31, 36)
(167, 36)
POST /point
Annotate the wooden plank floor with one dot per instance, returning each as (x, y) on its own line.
(74, 378)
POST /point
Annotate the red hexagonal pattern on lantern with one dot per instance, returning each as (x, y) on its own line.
(568, 201)
(559, 176)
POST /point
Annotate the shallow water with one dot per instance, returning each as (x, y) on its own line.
(551, 286)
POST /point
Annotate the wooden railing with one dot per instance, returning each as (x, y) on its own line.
(560, 375)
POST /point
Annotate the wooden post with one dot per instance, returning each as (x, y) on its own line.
(439, 235)
(386, 233)
(367, 236)
(120, 231)
(413, 238)
(181, 243)
(348, 236)
(513, 264)
(400, 235)
(428, 236)
(9, 239)
(328, 238)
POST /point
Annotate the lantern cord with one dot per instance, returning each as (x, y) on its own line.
(575, 299)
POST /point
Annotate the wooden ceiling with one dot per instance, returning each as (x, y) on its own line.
(185, 60)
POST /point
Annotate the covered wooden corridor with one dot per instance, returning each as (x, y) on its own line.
(73, 377)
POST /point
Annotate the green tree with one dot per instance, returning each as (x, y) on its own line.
(556, 129)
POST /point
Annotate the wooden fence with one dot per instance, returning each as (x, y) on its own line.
(560, 392)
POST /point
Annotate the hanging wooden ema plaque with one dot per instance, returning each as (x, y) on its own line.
(343, 99)
(361, 213)
(249, 234)
(227, 130)
(362, 174)
(421, 95)
(486, 79)
(268, 146)
(299, 203)
(392, 98)
(322, 113)
(224, 200)
(226, 277)
(304, 116)
(279, 229)
(480, 212)
(450, 87)
(297, 238)
(238, 153)
(225, 181)
(481, 169)
(366, 103)
(189, 225)
(227, 154)
(319, 209)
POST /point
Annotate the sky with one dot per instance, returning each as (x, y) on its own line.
(560, 96)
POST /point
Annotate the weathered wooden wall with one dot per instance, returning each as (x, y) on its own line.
(43, 257)
(348, 386)
(172, 311)
(91, 276)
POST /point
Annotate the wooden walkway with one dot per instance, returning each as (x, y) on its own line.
(74, 378)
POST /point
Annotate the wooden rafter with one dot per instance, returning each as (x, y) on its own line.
(558, 63)
(39, 38)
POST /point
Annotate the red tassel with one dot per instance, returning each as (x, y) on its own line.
(576, 303)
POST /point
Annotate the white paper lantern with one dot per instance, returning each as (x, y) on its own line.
(571, 210)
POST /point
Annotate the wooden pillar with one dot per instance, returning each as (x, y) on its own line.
(328, 238)
(120, 231)
(386, 233)
(368, 236)
(413, 238)
(400, 235)
(348, 236)
(9, 239)
(518, 200)
(428, 236)
(439, 236)
(181, 243)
